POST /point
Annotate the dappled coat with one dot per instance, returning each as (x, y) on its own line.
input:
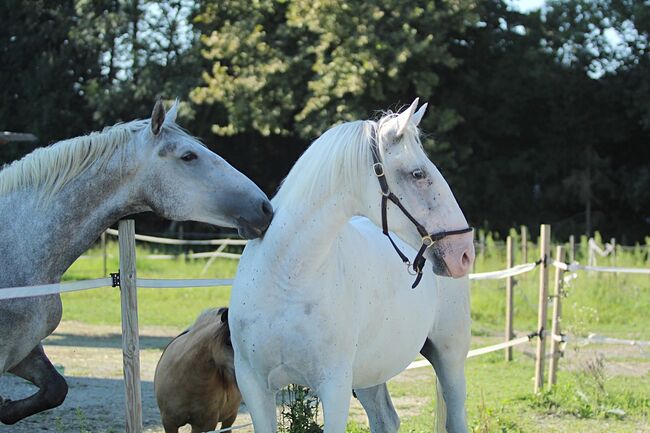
(195, 377)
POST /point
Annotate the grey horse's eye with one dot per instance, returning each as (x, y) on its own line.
(189, 156)
(418, 174)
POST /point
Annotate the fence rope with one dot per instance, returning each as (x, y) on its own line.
(193, 256)
(75, 286)
(575, 266)
(237, 427)
(505, 273)
(179, 283)
(601, 339)
(168, 241)
(482, 350)
(52, 289)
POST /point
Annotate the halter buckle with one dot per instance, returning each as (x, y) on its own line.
(378, 167)
(428, 241)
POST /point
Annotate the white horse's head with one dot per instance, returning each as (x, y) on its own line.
(423, 192)
(183, 180)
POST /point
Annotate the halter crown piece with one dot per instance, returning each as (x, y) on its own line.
(428, 239)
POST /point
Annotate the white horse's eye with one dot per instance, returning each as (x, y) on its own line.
(189, 156)
(418, 174)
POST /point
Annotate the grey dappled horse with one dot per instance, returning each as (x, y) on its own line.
(55, 203)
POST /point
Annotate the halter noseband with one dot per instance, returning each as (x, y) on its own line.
(428, 239)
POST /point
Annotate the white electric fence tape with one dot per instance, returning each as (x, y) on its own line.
(572, 267)
(51, 289)
(477, 352)
(167, 241)
(510, 272)
(237, 427)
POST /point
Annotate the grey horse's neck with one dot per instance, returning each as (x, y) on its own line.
(40, 239)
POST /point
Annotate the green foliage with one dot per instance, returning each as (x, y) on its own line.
(299, 66)
(299, 412)
(588, 396)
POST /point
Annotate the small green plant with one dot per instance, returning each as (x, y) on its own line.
(299, 411)
(492, 420)
(81, 421)
(59, 426)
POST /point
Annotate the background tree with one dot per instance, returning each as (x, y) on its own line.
(534, 117)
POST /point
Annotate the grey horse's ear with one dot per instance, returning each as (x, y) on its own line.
(157, 117)
(224, 316)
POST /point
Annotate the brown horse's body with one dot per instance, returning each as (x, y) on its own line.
(195, 377)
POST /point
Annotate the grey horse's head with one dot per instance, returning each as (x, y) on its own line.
(180, 179)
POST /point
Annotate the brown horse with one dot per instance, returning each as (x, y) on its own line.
(195, 378)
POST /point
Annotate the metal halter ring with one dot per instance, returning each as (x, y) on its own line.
(428, 241)
(409, 269)
(378, 167)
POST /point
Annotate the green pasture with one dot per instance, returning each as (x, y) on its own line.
(592, 396)
(617, 305)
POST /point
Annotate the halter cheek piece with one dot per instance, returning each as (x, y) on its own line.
(428, 239)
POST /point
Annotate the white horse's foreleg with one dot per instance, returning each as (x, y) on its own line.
(449, 365)
(380, 410)
(259, 401)
(335, 394)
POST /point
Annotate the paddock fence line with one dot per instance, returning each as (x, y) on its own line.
(169, 241)
(128, 282)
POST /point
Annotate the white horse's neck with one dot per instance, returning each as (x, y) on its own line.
(306, 237)
(43, 238)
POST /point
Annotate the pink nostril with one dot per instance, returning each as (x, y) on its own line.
(466, 260)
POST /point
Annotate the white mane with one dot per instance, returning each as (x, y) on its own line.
(337, 158)
(51, 168)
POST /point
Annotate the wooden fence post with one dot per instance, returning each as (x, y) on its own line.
(545, 240)
(103, 238)
(572, 249)
(524, 244)
(509, 299)
(557, 316)
(130, 337)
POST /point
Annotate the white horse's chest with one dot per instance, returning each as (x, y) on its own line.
(360, 313)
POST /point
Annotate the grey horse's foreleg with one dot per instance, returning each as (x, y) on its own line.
(451, 376)
(380, 410)
(38, 369)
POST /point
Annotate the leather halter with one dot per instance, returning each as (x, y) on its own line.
(428, 239)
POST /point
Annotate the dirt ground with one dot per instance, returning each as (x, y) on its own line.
(91, 359)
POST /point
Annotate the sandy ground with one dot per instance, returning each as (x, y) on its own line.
(90, 357)
(91, 360)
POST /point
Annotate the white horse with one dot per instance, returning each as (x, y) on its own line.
(323, 300)
(55, 203)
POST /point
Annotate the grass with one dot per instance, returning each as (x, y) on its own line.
(499, 397)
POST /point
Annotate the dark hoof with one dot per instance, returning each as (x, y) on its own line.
(6, 417)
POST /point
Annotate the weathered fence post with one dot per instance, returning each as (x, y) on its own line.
(509, 299)
(524, 244)
(572, 249)
(557, 316)
(130, 338)
(103, 238)
(544, 243)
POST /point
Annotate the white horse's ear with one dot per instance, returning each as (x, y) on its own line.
(157, 117)
(405, 117)
(171, 114)
(417, 117)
